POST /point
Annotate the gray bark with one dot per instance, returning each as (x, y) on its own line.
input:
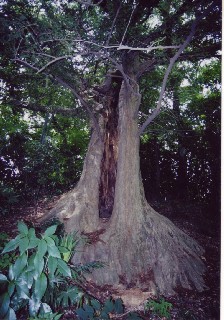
(139, 247)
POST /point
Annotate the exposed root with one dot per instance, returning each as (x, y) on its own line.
(158, 257)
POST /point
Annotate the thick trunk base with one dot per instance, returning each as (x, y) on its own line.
(155, 256)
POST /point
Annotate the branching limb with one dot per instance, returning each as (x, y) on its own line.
(89, 3)
(83, 102)
(72, 89)
(53, 61)
(41, 108)
(126, 47)
(169, 69)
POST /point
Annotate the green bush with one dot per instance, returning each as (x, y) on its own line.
(160, 308)
(39, 278)
(39, 273)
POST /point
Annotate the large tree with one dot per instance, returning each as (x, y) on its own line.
(75, 45)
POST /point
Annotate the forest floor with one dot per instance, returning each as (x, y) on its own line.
(188, 305)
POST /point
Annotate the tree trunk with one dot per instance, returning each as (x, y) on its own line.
(182, 177)
(139, 247)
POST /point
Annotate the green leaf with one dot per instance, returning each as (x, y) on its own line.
(54, 252)
(5, 301)
(118, 306)
(63, 250)
(52, 264)
(50, 241)
(30, 278)
(22, 295)
(22, 286)
(96, 305)
(40, 286)
(31, 233)
(11, 272)
(44, 309)
(11, 245)
(108, 306)
(19, 265)
(22, 227)
(3, 278)
(30, 263)
(71, 296)
(11, 288)
(33, 243)
(11, 315)
(38, 265)
(86, 312)
(50, 231)
(34, 306)
(23, 245)
(63, 268)
(42, 248)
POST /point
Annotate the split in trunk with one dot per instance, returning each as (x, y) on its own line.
(139, 247)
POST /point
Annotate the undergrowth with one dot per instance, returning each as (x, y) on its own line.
(40, 280)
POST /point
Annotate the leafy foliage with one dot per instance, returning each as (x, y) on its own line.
(39, 276)
(5, 259)
(180, 153)
(160, 307)
(30, 166)
(95, 310)
(39, 273)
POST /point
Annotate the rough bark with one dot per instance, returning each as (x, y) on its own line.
(78, 209)
(139, 247)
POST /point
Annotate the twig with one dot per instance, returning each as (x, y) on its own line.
(127, 25)
(112, 27)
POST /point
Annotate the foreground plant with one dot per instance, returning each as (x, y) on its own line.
(38, 273)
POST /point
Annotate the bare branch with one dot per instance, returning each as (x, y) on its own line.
(82, 101)
(89, 3)
(171, 64)
(74, 92)
(112, 27)
(126, 47)
(41, 108)
(147, 49)
(52, 62)
(128, 25)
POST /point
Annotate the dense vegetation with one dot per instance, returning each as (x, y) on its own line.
(42, 154)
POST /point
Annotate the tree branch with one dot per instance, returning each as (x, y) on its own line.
(169, 69)
(74, 92)
(83, 102)
(41, 108)
(53, 61)
(112, 27)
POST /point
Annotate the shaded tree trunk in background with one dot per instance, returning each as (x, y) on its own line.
(140, 247)
(150, 168)
(182, 178)
(214, 141)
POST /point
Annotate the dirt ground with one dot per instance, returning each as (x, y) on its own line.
(189, 305)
